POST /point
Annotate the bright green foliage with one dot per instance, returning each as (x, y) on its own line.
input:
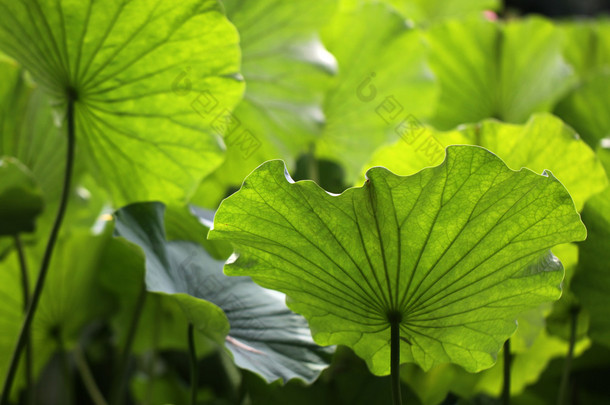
(535, 145)
(383, 79)
(20, 198)
(286, 69)
(264, 337)
(490, 69)
(178, 101)
(119, 62)
(457, 250)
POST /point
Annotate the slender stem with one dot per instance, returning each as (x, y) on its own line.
(46, 260)
(395, 362)
(194, 370)
(567, 365)
(120, 380)
(25, 286)
(506, 385)
(87, 377)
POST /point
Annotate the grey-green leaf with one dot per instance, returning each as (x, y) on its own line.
(265, 336)
(459, 250)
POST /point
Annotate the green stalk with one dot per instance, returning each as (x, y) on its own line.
(567, 365)
(194, 370)
(120, 380)
(506, 385)
(46, 260)
(25, 286)
(88, 380)
(395, 361)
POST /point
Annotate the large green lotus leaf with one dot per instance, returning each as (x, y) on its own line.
(72, 296)
(587, 108)
(264, 337)
(383, 82)
(119, 59)
(423, 11)
(534, 145)
(490, 69)
(20, 198)
(286, 70)
(457, 250)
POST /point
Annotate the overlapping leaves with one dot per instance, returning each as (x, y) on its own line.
(534, 145)
(286, 69)
(383, 79)
(264, 336)
(457, 251)
(496, 70)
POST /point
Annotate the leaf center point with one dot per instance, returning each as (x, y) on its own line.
(394, 317)
(72, 93)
